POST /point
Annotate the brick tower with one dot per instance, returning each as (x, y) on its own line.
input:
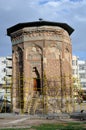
(42, 55)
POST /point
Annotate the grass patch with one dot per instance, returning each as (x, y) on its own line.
(64, 126)
(58, 126)
(15, 129)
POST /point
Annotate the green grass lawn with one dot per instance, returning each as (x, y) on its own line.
(58, 126)
(61, 126)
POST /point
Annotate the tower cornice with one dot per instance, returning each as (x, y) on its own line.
(19, 26)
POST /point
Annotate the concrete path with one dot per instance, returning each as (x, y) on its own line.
(16, 121)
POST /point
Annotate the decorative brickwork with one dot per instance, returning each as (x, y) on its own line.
(42, 69)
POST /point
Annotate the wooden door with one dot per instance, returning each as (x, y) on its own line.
(35, 84)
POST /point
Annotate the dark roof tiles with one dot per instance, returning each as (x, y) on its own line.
(39, 23)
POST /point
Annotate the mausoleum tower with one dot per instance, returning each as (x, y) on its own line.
(42, 67)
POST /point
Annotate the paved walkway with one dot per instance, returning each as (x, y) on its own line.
(26, 121)
(16, 121)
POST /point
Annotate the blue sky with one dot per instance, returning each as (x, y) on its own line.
(72, 12)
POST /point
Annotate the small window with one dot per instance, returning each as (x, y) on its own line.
(73, 71)
(82, 76)
(4, 61)
(73, 62)
(4, 69)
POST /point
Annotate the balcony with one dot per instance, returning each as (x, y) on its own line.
(9, 63)
(8, 80)
(9, 72)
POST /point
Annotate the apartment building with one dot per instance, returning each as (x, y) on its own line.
(82, 73)
(2, 70)
(5, 77)
(2, 76)
(82, 76)
(79, 73)
(75, 66)
(76, 81)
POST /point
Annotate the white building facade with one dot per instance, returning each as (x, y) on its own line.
(82, 73)
(75, 66)
(2, 70)
(5, 77)
(79, 73)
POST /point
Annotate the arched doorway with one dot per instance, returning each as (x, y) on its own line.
(36, 80)
(19, 75)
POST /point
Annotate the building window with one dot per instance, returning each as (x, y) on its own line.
(82, 76)
(82, 67)
(3, 79)
(83, 84)
(74, 62)
(73, 71)
(4, 70)
(3, 61)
